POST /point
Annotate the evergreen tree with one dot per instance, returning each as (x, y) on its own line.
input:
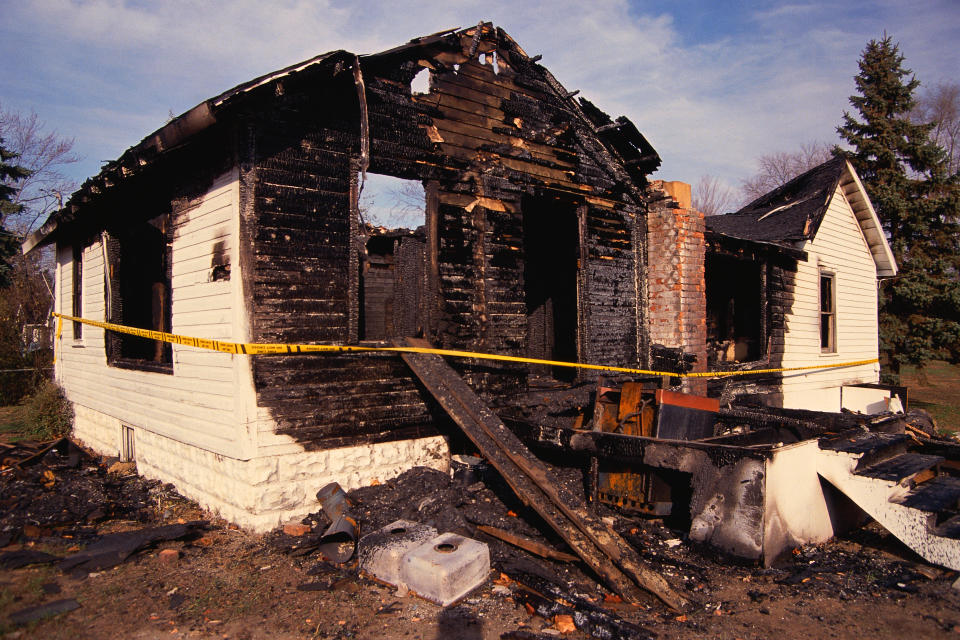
(905, 175)
(9, 241)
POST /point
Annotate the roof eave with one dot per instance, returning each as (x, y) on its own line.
(871, 227)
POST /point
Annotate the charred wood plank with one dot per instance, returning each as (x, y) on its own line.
(604, 551)
(526, 544)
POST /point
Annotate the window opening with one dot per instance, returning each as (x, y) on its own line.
(734, 309)
(828, 316)
(140, 285)
(393, 271)
(77, 290)
(421, 82)
(551, 241)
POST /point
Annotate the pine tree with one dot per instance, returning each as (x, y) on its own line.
(9, 241)
(917, 201)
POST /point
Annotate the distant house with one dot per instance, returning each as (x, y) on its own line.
(792, 280)
(239, 221)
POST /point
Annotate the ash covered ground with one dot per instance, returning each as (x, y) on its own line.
(216, 581)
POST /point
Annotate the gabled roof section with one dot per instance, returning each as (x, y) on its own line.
(793, 212)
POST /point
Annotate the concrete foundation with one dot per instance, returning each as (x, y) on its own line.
(261, 492)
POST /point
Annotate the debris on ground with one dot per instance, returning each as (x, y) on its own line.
(226, 582)
(39, 612)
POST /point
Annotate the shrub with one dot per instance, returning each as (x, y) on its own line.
(47, 414)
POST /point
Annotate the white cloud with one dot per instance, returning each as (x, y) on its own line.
(708, 106)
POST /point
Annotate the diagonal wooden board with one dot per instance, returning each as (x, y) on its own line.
(611, 557)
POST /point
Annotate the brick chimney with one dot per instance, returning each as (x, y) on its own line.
(676, 288)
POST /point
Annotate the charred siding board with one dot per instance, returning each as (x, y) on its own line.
(301, 280)
(611, 295)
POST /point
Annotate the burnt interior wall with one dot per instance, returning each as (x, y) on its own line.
(488, 140)
(393, 286)
(733, 264)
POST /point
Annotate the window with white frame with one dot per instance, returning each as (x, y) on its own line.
(828, 312)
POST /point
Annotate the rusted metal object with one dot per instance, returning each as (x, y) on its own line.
(339, 541)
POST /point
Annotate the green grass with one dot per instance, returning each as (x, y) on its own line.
(936, 389)
(12, 423)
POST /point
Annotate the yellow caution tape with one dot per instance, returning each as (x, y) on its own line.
(59, 331)
(266, 348)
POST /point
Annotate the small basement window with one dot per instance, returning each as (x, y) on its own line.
(139, 286)
(828, 314)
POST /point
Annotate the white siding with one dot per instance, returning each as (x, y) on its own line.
(205, 402)
(839, 248)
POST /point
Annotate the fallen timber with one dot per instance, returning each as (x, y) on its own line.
(604, 551)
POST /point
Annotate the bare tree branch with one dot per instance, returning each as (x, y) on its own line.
(777, 169)
(940, 106)
(712, 197)
(44, 154)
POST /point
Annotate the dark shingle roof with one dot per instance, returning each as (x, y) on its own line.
(788, 213)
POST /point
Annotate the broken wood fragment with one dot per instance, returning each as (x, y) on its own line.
(527, 544)
(39, 612)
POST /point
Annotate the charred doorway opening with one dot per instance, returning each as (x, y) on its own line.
(551, 241)
(393, 275)
(735, 318)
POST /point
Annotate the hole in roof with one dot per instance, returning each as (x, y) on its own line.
(493, 62)
(421, 82)
(393, 203)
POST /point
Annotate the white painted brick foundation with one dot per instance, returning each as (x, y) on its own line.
(262, 492)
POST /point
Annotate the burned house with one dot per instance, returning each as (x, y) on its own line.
(239, 221)
(791, 281)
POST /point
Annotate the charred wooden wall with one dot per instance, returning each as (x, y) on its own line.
(487, 136)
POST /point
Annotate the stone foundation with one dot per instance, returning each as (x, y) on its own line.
(262, 492)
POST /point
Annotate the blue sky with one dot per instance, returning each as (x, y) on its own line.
(713, 85)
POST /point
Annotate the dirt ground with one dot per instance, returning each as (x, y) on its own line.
(225, 583)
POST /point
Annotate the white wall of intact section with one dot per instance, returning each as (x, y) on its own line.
(208, 398)
(839, 248)
(261, 492)
(198, 427)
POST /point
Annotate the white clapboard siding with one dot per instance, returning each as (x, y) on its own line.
(204, 402)
(838, 248)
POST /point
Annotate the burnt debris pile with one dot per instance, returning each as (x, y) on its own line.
(58, 489)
